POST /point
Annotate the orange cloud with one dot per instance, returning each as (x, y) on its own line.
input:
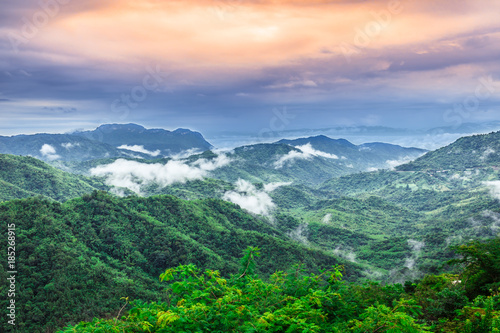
(195, 35)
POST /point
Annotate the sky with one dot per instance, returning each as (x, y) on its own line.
(258, 67)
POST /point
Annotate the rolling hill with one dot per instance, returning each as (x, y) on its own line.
(477, 151)
(22, 177)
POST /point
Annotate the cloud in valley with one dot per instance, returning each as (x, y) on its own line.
(247, 196)
(487, 153)
(186, 153)
(69, 145)
(140, 149)
(305, 152)
(394, 163)
(49, 152)
(347, 254)
(134, 175)
(494, 187)
(327, 218)
(416, 247)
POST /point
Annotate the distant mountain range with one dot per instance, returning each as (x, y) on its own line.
(306, 160)
(311, 160)
(107, 141)
(367, 155)
(156, 141)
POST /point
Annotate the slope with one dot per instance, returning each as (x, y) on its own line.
(22, 177)
(477, 151)
(60, 147)
(75, 260)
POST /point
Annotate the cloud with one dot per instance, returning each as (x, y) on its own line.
(49, 152)
(346, 254)
(394, 163)
(300, 234)
(273, 186)
(487, 153)
(327, 218)
(141, 149)
(305, 152)
(495, 225)
(135, 175)
(494, 187)
(250, 198)
(287, 43)
(416, 247)
(69, 145)
(293, 84)
(185, 153)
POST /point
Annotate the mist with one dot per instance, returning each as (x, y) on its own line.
(135, 175)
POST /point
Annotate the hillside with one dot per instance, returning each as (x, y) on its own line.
(22, 177)
(54, 147)
(477, 151)
(76, 259)
(367, 156)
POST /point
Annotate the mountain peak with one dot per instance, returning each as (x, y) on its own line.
(318, 139)
(132, 135)
(118, 127)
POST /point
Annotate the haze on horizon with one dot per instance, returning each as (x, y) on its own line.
(247, 66)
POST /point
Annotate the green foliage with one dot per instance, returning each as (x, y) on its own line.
(247, 263)
(384, 319)
(76, 259)
(467, 152)
(22, 177)
(294, 301)
(481, 260)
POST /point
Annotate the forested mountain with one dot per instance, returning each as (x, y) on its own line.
(376, 155)
(75, 260)
(477, 151)
(22, 177)
(308, 161)
(107, 141)
(65, 147)
(153, 140)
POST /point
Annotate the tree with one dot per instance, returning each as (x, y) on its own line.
(481, 260)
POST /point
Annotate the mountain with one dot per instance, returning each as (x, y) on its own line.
(363, 157)
(55, 147)
(77, 259)
(22, 177)
(156, 141)
(278, 163)
(308, 161)
(468, 128)
(477, 151)
(107, 141)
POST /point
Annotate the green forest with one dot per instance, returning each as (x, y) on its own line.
(297, 300)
